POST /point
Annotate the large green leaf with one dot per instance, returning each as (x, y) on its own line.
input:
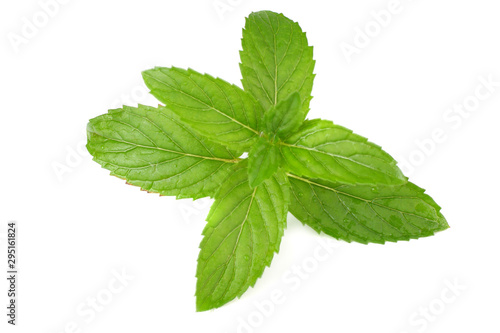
(244, 230)
(263, 161)
(221, 111)
(151, 148)
(276, 60)
(320, 149)
(365, 214)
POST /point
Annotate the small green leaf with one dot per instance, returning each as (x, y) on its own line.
(365, 214)
(326, 151)
(152, 149)
(276, 60)
(263, 161)
(244, 230)
(284, 118)
(221, 111)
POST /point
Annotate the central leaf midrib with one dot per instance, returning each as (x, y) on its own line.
(335, 156)
(241, 226)
(209, 106)
(171, 151)
(372, 202)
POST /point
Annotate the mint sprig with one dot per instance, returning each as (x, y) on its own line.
(329, 178)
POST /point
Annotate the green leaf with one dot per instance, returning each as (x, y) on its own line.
(263, 161)
(326, 151)
(244, 230)
(276, 60)
(365, 214)
(285, 118)
(152, 149)
(222, 112)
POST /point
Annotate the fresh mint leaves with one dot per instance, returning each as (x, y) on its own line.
(329, 178)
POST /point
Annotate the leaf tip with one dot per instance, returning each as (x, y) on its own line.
(202, 306)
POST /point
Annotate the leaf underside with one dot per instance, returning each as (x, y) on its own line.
(363, 213)
(320, 149)
(218, 110)
(152, 149)
(244, 229)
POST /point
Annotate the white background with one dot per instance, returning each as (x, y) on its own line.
(78, 227)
